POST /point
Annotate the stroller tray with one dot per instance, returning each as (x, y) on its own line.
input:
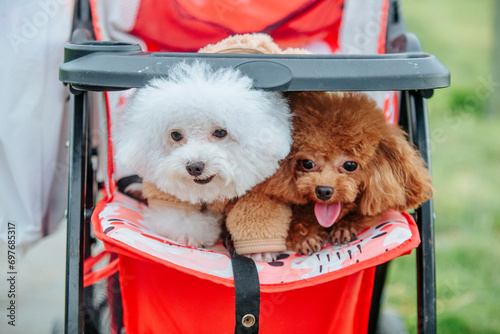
(106, 66)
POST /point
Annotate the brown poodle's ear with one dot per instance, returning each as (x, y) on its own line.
(397, 177)
(282, 183)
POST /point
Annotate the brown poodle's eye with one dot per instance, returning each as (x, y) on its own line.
(350, 166)
(176, 136)
(220, 133)
(308, 164)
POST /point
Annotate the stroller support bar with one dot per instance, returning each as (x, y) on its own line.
(104, 66)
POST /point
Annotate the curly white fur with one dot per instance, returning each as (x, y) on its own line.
(194, 229)
(195, 101)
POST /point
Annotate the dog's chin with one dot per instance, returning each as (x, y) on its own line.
(204, 180)
(202, 190)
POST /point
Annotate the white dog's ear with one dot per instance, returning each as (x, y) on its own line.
(128, 135)
(397, 177)
(263, 131)
(270, 135)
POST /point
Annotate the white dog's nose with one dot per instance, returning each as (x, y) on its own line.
(195, 168)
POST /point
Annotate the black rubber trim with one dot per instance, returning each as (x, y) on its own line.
(124, 182)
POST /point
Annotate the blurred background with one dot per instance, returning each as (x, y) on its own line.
(465, 142)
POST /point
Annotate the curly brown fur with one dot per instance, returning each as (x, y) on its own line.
(246, 43)
(330, 130)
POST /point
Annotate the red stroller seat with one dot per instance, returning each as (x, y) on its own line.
(166, 286)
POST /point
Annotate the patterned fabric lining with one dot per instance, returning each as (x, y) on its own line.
(120, 223)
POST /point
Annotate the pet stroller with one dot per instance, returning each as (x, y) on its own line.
(336, 290)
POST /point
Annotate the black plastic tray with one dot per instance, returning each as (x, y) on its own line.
(102, 66)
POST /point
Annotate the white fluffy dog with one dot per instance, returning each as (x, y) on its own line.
(202, 136)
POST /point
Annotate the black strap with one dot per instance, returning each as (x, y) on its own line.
(124, 182)
(247, 293)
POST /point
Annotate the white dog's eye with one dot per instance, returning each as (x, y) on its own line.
(220, 133)
(176, 135)
(350, 166)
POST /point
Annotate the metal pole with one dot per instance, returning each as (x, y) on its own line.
(74, 251)
(426, 272)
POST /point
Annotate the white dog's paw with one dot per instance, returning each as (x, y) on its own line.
(187, 240)
(193, 229)
(263, 257)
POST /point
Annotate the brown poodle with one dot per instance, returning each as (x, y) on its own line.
(350, 166)
(347, 166)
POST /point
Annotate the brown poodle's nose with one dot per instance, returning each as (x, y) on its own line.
(195, 168)
(324, 193)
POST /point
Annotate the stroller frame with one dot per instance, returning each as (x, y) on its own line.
(105, 66)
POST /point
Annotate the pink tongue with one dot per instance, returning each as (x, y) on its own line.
(327, 214)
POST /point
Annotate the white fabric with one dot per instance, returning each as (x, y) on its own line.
(33, 117)
(359, 34)
(117, 19)
(361, 28)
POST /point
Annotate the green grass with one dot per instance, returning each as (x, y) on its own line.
(466, 172)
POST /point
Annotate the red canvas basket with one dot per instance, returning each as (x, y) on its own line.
(188, 304)
(167, 285)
